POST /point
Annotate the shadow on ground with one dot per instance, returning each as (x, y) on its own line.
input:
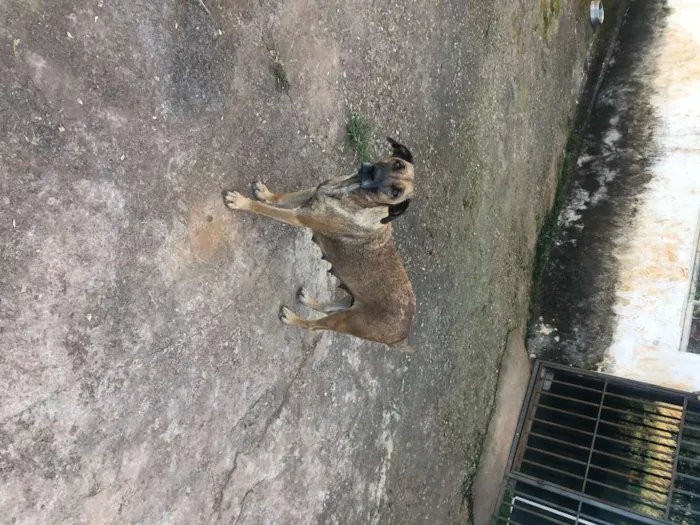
(144, 376)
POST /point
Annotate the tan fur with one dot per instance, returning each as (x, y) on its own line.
(346, 223)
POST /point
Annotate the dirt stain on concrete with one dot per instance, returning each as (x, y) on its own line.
(207, 229)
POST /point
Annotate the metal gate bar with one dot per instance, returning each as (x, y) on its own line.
(612, 449)
(592, 501)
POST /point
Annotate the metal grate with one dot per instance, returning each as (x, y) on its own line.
(684, 498)
(595, 449)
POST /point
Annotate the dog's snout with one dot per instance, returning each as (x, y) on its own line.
(370, 176)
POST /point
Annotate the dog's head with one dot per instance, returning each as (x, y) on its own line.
(389, 181)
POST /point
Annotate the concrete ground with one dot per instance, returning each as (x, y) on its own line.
(144, 375)
(513, 381)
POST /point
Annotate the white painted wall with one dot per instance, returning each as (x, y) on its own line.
(656, 258)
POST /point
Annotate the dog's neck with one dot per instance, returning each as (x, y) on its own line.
(371, 218)
(340, 187)
(347, 188)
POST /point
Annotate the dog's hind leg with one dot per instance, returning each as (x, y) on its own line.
(338, 321)
(283, 200)
(352, 321)
(334, 306)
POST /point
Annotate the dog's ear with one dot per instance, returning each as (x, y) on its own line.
(396, 210)
(400, 151)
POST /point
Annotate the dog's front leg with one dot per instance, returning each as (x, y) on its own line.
(294, 217)
(283, 200)
(236, 201)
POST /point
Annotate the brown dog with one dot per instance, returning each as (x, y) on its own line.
(350, 219)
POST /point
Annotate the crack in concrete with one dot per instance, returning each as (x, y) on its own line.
(245, 497)
(218, 499)
(227, 479)
(163, 350)
(250, 408)
(285, 396)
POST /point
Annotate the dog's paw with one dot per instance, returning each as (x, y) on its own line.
(261, 192)
(286, 315)
(303, 297)
(235, 201)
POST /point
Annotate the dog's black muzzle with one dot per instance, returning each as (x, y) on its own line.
(371, 177)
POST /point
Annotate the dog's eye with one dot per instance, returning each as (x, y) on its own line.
(397, 165)
(395, 191)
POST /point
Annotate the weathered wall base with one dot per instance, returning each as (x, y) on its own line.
(614, 292)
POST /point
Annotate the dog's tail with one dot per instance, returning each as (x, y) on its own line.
(403, 346)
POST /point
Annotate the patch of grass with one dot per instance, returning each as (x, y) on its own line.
(517, 27)
(546, 16)
(549, 227)
(358, 131)
(549, 9)
(279, 72)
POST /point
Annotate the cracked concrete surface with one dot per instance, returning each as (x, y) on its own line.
(144, 376)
